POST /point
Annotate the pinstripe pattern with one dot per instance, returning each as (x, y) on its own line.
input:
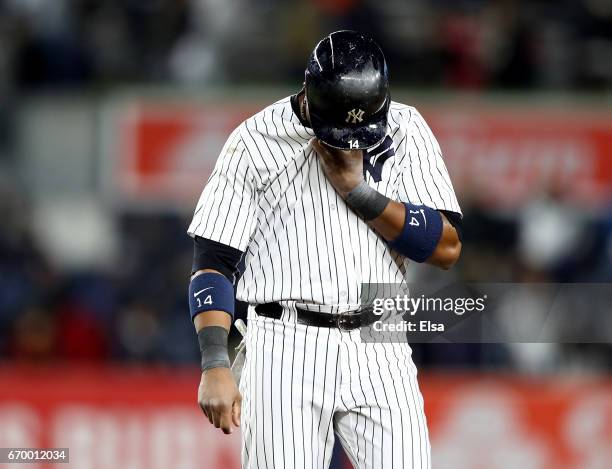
(303, 386)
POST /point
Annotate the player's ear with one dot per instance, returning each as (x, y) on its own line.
(306, 110)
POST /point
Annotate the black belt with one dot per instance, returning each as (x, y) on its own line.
(344, 321)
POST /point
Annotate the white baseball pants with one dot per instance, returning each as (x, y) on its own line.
(302, 386)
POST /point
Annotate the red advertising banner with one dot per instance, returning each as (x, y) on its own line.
(164, 153)
(509, 422)
(134, 418)
(112, 418)
(512, 155)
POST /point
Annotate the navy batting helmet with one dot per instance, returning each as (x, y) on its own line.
(347, 91)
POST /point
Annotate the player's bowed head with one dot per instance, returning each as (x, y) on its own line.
(346, 100)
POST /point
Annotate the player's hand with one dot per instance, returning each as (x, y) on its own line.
(220, 399)
(343, 168)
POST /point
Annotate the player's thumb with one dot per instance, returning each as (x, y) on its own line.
(236, 410)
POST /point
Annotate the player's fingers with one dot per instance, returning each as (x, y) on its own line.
(323, 152)
(225, 420)
(202, 407)
(216, 415)
(206, 409)
(208, 412)
(236, 410)
(320, 150)
(221, 411)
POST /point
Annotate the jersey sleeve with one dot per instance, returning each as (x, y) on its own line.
(425, 179)
(226, 209)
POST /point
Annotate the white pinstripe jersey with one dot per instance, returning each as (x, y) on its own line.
(269, 198)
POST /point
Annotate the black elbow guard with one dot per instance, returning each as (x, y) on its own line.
(208, 254)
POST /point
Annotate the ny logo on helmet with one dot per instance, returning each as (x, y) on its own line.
(355, 115)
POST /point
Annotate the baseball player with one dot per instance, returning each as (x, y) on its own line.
(319, 193)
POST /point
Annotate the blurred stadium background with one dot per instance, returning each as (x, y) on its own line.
(112, 115)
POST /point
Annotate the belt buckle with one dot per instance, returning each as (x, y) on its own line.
(343, 320)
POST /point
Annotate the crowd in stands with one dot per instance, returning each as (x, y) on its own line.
(462, 44)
